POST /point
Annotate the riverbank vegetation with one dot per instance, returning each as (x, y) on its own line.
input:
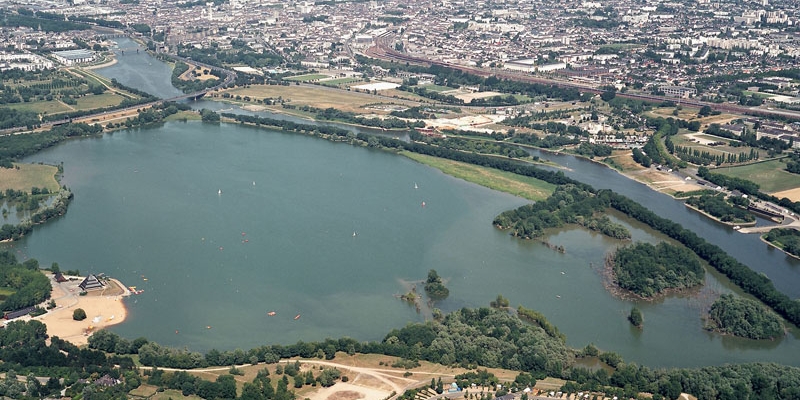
(648, 270)
(786, 239)
(745, 318)
(717, 206)
(568, 204)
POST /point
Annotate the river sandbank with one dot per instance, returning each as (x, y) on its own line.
(103, 307)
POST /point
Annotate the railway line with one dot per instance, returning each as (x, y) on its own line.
(381, 50)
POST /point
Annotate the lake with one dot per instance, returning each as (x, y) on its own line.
(221, 224)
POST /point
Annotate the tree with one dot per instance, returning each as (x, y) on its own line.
(635, 317)
(79, 314)
(705, 111)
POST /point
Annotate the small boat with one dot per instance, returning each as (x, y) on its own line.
(271, 313)
(219, 191)
(737, 227)
(562, 273)
(423, 204)
(355, 234)
(558, 296)
(296, 317)
(208, 326)
(415, 185)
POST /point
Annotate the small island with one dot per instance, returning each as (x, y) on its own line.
(648, 271)
(731, 315)
(434, 286)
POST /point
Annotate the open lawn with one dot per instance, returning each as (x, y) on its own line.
(518, 185)
(314, 96)
(41, 107)
(306, 77)
(770, 175)
(436, 88)
(93, 101)
(28, 176)
(340, 81)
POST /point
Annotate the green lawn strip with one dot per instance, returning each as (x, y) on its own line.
(93, 101)
(5, 292)
(436, 88)
(307, 77)
(40, 107)
(770, 175)
(518, 185)
(28, 176)
(340, 81)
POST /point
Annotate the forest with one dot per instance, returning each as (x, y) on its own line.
(737, 316)
(648, 270)
(28, 286)
(719, 207)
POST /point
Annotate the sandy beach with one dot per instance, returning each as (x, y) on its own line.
(104, 307)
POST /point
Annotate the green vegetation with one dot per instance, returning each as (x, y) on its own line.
(636, 318)
(717, 206)
(434, 286)
(771, 176)
(192, 85)
(79, 314)
(25, 177)
(518, 185)
(568, 204)
(786, 239)
(29, 286)
(744, 318)
(648, 270)
(306, 78)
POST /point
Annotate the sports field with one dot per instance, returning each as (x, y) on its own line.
(770, 175)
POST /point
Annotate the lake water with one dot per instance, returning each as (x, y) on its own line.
(220, 224)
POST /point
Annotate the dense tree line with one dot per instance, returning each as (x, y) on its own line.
(648, 270)
(568, 204)
(15, 147)
(594, 150)
(642, 158)
(432, 94)
(332, 114)
(413, 113)
(717, 206)
(742, 317)
(40, 20)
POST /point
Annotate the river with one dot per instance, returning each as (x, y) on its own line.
(221, 224)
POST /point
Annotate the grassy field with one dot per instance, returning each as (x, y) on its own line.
(93, 101)
(522, 186)
(436, 88)
(769, 175)
(314, 96)
(340, 81)
(29, 175)
(41, 107)
(307, 77)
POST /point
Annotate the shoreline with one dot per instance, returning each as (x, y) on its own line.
(104, 308)
(731, 224)
(761, 237)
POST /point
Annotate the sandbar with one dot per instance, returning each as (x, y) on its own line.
(104, 308)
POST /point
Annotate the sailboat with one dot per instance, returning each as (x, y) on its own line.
(355, 234)
(219, 191)
(415, 185)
